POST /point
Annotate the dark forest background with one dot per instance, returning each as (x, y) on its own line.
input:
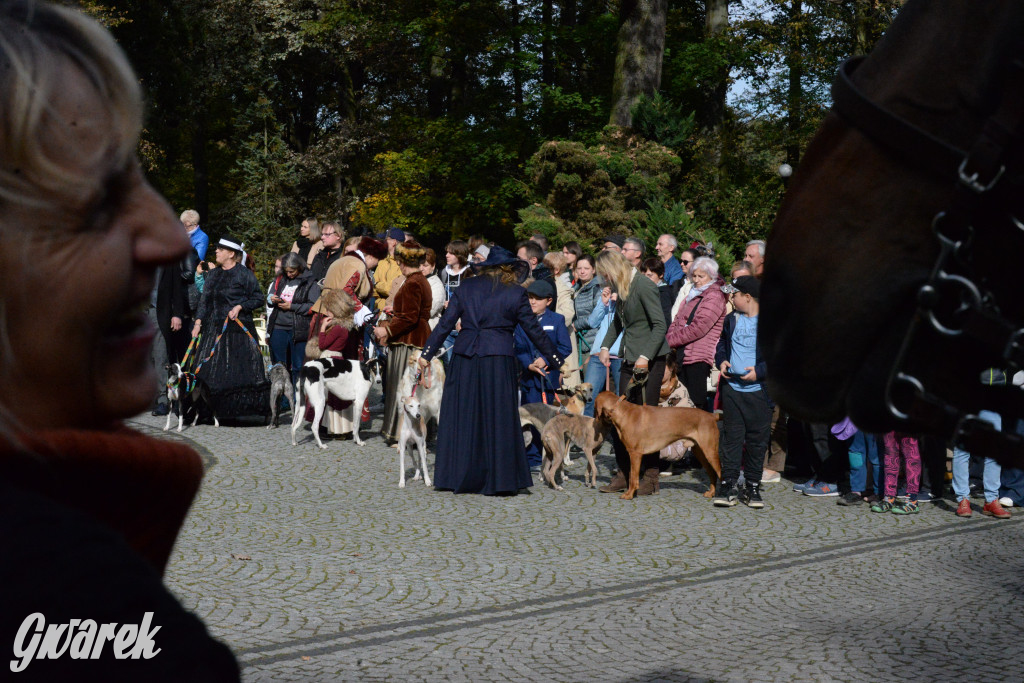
(502, 117)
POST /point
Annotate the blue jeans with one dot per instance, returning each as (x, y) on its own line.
(864, 454)
(992, 471)
(594, 373)
(286, 352)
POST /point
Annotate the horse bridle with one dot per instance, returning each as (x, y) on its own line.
(952, 303)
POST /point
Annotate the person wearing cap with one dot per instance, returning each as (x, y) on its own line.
(614, 242)
(235, 373)
(638, 316)
(535, 385)
(480, 445)
(746, 408)
(480, 254)
(387, 270)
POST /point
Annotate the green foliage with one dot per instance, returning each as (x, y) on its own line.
(659, 120)
(453, 117)
(599, 189)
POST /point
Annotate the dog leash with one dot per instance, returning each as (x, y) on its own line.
(419, 377)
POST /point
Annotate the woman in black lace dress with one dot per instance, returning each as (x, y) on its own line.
(235, 372)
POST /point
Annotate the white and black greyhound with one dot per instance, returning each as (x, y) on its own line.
(349, 380)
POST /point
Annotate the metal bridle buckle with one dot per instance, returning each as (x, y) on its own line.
(928, 297)
(913, 382)
(971, 181)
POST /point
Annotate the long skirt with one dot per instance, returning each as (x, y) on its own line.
(398, 361)
(479, 443)
(235, 375)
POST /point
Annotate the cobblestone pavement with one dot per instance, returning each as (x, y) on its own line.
(352, 578)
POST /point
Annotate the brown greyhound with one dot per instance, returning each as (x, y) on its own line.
(648, 429)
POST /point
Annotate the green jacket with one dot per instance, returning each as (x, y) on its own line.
(641, 317)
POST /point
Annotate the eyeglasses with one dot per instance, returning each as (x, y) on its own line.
(328, 234)
(685, 263)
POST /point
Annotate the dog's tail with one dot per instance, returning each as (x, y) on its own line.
(718, 416)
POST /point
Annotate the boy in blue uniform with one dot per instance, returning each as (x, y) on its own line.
(532, 384)
(746, 408)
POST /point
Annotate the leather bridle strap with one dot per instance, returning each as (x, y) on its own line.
(977, 172)
(910, 144)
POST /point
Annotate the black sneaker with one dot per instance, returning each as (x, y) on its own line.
(851, 498)
(725, 496)
(751, 496)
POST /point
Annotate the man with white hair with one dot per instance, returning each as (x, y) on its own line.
(200, 240)
(665, 247)
(755, 254)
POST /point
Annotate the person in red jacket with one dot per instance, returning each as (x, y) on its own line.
(696, 328)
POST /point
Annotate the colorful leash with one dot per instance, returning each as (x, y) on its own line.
(190, 377)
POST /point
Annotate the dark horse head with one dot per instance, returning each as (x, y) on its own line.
(854, 243)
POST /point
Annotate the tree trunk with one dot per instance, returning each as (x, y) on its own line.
(641, 47)
(517, 72)
(547, 60)
(437, 87)
(716, 21)
(795, 95)
(200, 169)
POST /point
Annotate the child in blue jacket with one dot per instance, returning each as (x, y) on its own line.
(534, 387)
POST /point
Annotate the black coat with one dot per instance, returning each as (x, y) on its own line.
(302, 303)
(322, 261)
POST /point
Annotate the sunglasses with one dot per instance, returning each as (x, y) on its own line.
(686, 263)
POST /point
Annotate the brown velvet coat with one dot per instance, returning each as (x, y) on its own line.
(410, 322)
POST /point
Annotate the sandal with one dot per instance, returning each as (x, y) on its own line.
(884, 505)
(910, 507)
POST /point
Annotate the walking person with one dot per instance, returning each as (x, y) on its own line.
(480, 446)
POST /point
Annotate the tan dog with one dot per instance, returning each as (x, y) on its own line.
(648, 429)
(572, 401)
(562, 432)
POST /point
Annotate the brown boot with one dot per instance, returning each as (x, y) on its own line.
(616, 485)
(649, 482)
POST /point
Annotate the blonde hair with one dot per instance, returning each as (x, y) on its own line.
(36, 39)
(616, 270)
(40, 43)
(555, 262)
(315, 229)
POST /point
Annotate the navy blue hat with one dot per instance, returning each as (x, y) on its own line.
(500, 256)
(396, 234)
(541, 289)
(748, 284)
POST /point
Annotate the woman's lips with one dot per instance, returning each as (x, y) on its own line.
(131, 330)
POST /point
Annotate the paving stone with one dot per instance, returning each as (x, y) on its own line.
(352, 578)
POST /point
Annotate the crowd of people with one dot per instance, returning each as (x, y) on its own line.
(612, 319)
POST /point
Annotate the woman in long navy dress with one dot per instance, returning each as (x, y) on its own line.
(479, 442)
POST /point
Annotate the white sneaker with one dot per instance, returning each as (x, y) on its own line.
(771, 479)
(1006, 502)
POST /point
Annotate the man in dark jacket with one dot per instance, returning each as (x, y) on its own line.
(331, 237)
(533, 253)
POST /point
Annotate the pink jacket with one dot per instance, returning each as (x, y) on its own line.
(700, 337)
